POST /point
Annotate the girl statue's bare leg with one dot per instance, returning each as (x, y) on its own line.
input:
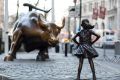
(92, 68)
(80, 67)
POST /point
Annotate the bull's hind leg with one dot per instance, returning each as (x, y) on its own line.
(15, 45)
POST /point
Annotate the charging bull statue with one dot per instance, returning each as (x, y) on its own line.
(34, 33)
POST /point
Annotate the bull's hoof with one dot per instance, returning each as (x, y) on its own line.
(8, 58)
(40, 58)
(46, 56)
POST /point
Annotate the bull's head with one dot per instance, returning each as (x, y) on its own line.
(51, 31)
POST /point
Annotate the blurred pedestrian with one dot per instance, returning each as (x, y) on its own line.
(85, 49)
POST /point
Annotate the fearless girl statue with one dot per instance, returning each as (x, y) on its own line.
(85, 49)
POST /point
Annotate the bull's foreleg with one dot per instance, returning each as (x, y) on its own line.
(42, 55)
(15, 45)
(46, 54)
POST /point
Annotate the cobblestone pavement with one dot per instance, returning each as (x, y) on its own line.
(58, 67)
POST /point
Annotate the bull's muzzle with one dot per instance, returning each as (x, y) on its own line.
(53, 41)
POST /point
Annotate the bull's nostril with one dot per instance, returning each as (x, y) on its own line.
(52, 38)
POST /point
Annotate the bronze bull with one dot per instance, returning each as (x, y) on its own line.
(34, 33)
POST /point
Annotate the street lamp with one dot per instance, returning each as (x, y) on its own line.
(5, 27)
(75, 16)
(80, 15)
(53, 12)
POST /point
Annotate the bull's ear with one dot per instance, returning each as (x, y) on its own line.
(41, 17)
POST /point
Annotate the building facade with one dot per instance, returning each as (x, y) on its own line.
(1, 17)
(1, 12)
(110, 11)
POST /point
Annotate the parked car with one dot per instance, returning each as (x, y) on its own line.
(108, 38)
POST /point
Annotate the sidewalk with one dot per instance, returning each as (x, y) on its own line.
(58, 67)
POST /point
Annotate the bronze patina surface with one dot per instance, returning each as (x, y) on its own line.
(33, 32)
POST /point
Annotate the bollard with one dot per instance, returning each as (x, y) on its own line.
(0, 45)
(71, 48)
(66, 51)
(57, 48)
(117, 48)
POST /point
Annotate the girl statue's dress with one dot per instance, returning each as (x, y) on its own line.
(85, 48)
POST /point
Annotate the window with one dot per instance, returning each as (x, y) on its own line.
(111, 22)
(96, 4)
(112, 33)
(102, 25)
(90, 7)
(107, 33)
(110, 3)
(114, 4)
(84, 8)
(96, 25)
(103, 3)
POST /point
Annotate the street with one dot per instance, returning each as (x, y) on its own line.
(58, 67)
(41, 24)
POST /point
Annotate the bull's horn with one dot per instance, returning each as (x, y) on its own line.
(63, 23)
(33, 7)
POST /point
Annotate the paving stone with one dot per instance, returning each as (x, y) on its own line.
(58, 67)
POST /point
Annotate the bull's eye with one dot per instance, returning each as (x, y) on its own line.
(57, 30)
